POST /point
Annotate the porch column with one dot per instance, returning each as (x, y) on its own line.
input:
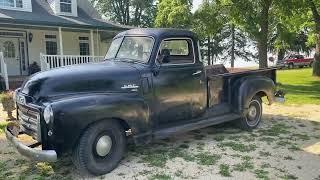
(60, 41)
(92, 43)
(98, 43)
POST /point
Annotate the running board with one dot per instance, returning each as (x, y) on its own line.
(164, 133)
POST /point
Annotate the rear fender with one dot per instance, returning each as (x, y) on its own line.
(247, 88)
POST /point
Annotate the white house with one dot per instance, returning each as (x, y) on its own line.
(51, 33)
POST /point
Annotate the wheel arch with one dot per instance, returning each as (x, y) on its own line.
(249, 87)
(75, 117)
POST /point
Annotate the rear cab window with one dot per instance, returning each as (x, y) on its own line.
(181, 50)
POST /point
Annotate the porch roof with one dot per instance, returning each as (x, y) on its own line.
(42, 15)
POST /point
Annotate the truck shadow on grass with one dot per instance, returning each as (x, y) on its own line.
(213, 152)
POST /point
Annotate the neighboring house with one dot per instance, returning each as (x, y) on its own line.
(52, 33)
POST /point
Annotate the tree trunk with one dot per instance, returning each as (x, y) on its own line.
(232, 45)
(263, 35)
(209, 52)
(316, 64)
(316, 17)
(281, 54)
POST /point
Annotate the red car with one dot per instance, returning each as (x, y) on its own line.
(293, 61)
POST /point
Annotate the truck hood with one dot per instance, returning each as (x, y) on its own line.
(108, 76)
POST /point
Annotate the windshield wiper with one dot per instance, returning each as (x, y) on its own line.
(126, 60)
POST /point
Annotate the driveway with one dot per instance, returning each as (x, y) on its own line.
(285, 146)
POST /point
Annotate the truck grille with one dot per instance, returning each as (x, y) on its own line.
(30, 121)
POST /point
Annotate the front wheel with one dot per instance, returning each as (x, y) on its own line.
(253, 116)
(291, 66)
(100, 148)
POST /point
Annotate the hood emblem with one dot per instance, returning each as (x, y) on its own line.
(133, 87)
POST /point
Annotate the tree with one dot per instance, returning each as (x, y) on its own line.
(208, 21)
(307, 16)
(315, 9)
(236, 44)
(140, 13)
(221, 38)
(254, 17)
(173, 14)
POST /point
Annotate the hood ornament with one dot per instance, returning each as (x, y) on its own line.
(133, 87)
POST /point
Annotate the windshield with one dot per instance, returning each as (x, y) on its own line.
(133, 48)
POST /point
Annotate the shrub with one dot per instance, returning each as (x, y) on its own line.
(7, 101)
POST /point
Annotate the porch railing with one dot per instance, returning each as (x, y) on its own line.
(54, 61)
(4, 71)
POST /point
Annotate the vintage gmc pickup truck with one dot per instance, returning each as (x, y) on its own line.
(151, 85)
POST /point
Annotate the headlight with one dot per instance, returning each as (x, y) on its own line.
(15, 95)
(48, 114)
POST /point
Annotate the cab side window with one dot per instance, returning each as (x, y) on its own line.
(180, 51)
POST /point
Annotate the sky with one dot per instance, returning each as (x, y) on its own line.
(196, 4)
(238, 62)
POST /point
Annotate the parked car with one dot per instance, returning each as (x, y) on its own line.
(293, 61)
(152, 84)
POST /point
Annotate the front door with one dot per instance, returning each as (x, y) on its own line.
(14, 52)
(179, 87)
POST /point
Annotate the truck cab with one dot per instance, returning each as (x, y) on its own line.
(151, 85)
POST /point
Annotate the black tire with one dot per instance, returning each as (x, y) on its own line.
(311, 64)
(291, 66)
(251, 122)
(85, 154)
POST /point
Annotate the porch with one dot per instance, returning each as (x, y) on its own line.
(47, 49)
(47, 62)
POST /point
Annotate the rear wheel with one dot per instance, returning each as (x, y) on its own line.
(311, 64)
(100, 148)
(254, 114)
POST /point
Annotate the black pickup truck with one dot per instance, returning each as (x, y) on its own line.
(151, 85)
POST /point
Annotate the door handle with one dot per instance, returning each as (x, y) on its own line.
(196, 73)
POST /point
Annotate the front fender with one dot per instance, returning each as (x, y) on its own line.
(247, 88)
(75, 114)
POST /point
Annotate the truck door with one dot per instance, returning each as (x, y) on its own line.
(179, 87)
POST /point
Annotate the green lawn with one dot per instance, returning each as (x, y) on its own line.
(300, 86)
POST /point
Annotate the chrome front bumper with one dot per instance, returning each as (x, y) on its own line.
(34, 154)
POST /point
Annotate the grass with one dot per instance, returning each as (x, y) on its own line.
(300, 86)
(2, 126)
(261, 174)
(243, 166)
(238, 146)
(207, 159)
(224, 170)
(160, 177)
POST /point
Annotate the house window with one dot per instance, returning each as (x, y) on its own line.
(19, 4)
(51, 45)
(11, 3)
(9, 51)
(65, 6)
(84, 46)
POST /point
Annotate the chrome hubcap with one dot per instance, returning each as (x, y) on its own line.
(252, 112)
(104, 145)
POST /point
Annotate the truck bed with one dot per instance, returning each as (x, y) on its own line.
(220, 81)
